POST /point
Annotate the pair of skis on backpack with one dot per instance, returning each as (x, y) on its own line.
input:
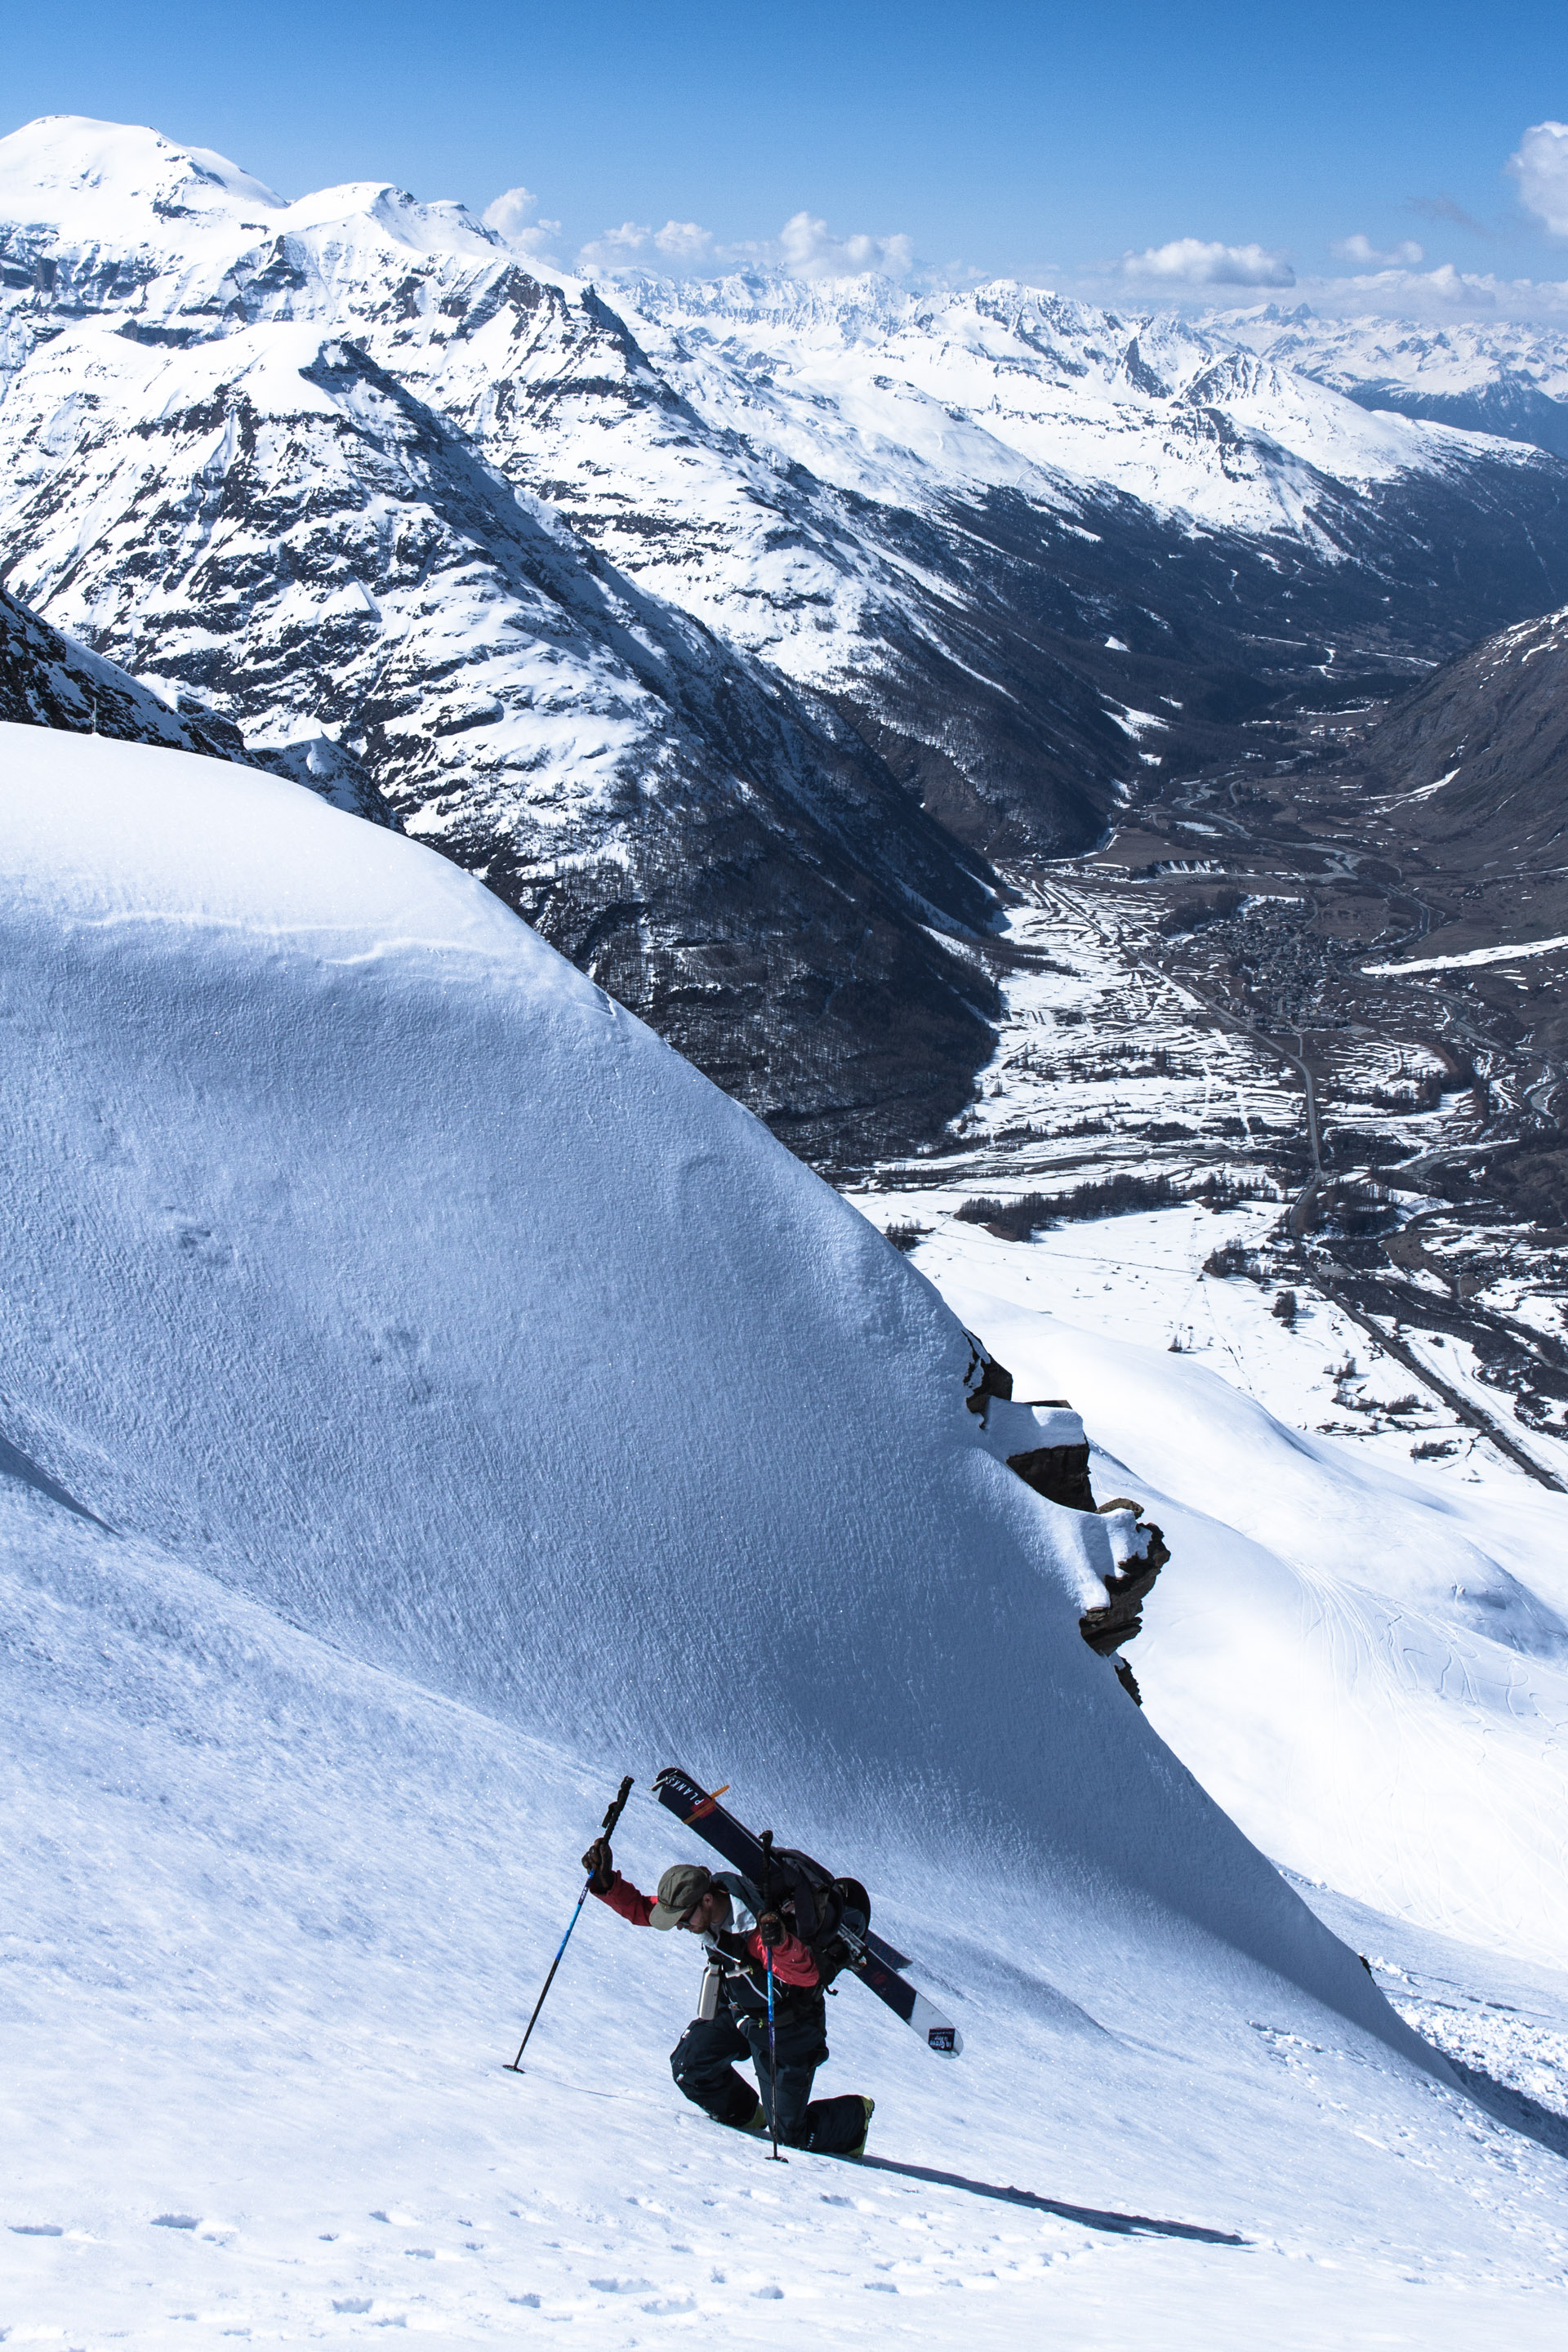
(874, 1962)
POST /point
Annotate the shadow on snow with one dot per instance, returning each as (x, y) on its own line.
(1125, 2225)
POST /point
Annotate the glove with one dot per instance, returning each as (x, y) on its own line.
(600, 1866)
(771, 1928)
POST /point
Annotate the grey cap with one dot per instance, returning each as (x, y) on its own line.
(683, 1885)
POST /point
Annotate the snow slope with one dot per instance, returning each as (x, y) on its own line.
(425, 1397)
(468, 1319)
(275, 1918)
(1367, 1663)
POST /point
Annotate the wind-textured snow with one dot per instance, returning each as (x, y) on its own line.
(426, 1398)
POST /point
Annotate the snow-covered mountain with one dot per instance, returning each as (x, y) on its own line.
(728, 631)
(426, 1398)
(48, 680)
(1504, 376)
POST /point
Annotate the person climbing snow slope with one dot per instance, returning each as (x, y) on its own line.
(740, 1934)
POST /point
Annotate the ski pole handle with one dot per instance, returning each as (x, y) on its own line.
(618, 1808)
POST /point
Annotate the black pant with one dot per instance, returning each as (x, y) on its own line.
(703, 2062)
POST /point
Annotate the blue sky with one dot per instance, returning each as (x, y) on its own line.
(1044, 140)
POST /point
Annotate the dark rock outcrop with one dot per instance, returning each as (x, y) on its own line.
(1058, 1471)
(46, 679)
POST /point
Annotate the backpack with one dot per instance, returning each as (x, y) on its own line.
(820, 1906)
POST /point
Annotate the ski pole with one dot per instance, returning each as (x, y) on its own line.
(772, 2065)
(767, 1845)
(514, 2065)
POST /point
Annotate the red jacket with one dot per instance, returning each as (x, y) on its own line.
(793, 1963)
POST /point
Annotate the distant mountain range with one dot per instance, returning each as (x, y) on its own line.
(1500, 376)
(736, 633)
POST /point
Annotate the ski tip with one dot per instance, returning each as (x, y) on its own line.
(945, 2040)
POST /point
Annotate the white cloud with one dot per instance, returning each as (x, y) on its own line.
(514, 217)
(1189, 261)
(1541, 167)
(807, 249)
(804, 248)
(684, 243)
(1361, 249)
(1444, 288)
(617, 248)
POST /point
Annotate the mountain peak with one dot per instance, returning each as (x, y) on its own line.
(115, 183)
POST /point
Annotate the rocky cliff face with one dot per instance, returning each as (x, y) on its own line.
(728, 632)
(48, 680)
(45, 680)
(1482, 749)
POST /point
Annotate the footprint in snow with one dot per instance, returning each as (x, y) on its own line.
(176, 2220)
(36, 2229)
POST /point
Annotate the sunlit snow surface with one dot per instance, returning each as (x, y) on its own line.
(425, 1398)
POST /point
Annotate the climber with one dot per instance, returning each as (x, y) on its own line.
(738, 1933)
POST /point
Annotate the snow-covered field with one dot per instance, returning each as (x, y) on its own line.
(422, 1399)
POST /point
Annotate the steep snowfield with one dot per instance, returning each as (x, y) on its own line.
(368, 1257)
(425, 1398)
